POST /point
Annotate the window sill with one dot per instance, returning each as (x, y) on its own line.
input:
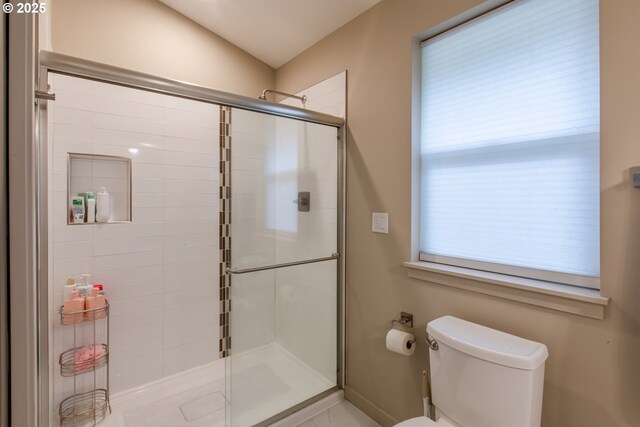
(579, 301)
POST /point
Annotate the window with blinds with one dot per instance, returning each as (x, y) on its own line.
(510, 129)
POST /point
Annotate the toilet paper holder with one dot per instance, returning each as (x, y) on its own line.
(406, 319)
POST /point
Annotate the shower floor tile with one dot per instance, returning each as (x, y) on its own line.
(258, 394)
(159, 404)
(202, 406)
(344, 414)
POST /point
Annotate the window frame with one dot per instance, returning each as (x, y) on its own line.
(557, 277)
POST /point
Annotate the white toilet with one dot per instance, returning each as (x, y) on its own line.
(481, 377)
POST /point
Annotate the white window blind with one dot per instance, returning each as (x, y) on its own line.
(510, 122)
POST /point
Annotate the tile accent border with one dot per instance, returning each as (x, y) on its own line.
(225, 231)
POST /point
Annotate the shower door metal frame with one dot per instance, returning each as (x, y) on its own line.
(4, 238)
(82, 68)
(27, 211)
(78, 67)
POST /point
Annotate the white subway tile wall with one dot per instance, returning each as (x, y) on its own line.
(328, 96)
(159, 271)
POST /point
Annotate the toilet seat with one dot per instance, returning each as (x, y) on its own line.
(418, 422)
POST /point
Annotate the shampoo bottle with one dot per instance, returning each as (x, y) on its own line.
(102, 206)
(77, 210)
(91, 207)
(68, 288)
(86, 283)
(101, 301)
(72, 309)
(94, 302)
(90, 304)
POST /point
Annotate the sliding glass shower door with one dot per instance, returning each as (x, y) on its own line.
(279, 224)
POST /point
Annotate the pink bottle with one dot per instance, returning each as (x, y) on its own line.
(72, 309)
(94, 301)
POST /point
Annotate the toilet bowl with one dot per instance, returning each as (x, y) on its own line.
(481, 377)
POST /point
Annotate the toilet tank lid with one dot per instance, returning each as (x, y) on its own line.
(488, 344)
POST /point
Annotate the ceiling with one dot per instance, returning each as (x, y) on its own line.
(273, 31)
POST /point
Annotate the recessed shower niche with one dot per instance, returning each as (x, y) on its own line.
(92, 172)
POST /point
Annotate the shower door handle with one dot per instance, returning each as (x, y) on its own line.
(230, 270)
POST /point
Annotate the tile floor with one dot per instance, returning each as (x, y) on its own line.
(343, 414)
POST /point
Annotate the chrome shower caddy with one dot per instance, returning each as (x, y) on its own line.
(89, 407)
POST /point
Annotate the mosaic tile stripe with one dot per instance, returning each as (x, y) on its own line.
(225, 231)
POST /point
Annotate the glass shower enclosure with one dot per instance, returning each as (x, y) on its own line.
(269, 257)
(282, 263)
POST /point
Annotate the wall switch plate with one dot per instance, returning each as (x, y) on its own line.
(380, 222)
(635, 176)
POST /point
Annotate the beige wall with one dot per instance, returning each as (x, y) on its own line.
(147, 36)
(593, 372)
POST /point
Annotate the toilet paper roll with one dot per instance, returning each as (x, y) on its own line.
(401, 342)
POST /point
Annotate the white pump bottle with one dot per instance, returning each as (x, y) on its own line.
(102, 206)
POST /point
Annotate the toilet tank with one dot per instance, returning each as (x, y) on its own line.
(481, 377)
